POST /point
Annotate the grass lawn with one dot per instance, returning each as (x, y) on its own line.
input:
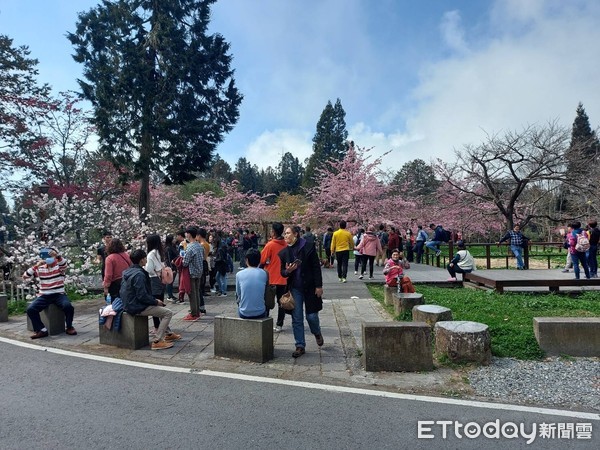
(509, 316)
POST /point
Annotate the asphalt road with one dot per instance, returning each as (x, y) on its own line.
(53, 401)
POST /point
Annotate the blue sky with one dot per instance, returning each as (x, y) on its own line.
(420, 78)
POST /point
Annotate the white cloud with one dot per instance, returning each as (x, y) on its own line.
(268, 148)
(452, 32)
(512, 80)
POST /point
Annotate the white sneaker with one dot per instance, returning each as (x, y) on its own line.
(213, 291)
(355, 272)
(277, 329)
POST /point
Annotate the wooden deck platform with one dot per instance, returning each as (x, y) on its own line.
(553, 280)
(503, 280)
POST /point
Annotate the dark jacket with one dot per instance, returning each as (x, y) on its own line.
(136, 292)
(310, 272)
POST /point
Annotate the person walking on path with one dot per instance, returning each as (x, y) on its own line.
(341, 244)
(300, 265)
(463, 262)
(517, 241)
(269, 260)
(137, 297)
(370, 247)
(327, 246)
(578, 244)
(50, 271)
(358, 257)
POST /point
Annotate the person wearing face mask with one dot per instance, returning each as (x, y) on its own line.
(301, 267)
(50, 271)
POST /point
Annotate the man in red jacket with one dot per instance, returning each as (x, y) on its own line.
(269, 260)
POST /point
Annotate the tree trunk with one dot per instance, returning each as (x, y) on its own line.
(144, 197)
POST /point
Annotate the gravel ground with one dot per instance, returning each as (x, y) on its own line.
(554, 382)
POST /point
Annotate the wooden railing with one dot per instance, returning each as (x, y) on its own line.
(545, 251)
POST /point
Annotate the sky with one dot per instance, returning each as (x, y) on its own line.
(417, 79)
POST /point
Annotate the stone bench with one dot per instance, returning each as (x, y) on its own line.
(574, 336)
(431, 314)
(388, 294)
(53, 318)
(245, 339)
(3, 308)
(406, 302)
(463, 341)
(132, 335)
(397, 346)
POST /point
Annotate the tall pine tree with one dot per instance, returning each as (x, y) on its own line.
(290, 174)
(329, 141)
(162, 88)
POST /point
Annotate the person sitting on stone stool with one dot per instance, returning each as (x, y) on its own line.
(50, 271)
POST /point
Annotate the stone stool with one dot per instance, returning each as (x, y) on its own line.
(406, 302)
(431, 314)
(3, 308)
(388, 294)
(463, 341)
(53, 318)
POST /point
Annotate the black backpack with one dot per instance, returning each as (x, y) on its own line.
(446, 235)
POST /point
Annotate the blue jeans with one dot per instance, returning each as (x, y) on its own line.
(42, 302)
(262, 316)
(579, 257)
(433, 245)
(517, 250)
(592, 260)
(221, 282)
(420, 251)
(298, 319)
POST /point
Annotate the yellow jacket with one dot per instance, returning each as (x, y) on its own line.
(341, 240)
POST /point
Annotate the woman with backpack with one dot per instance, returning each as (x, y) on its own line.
(356, 239)
(369, 247)
(579, 243)
(154, 265)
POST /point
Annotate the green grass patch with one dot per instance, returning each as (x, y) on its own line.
(509, 315)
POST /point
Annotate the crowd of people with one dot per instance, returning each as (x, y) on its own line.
(288, 265)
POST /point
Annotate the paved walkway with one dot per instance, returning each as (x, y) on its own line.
(346, 306)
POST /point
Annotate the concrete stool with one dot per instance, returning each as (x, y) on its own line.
(53, 318)
(463, 341)
(396, 346)
(246, 339)
(431, 314)
(575, 336)
(132, 335)
(3, 308)
(406, 302)
(388, 294)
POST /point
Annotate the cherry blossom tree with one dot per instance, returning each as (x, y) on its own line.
(351, 189)
(226, 210)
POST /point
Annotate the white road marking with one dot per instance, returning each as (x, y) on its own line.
(307, 385)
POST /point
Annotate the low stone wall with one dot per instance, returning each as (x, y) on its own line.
(3, 308)
(397, 346)
(246, 339)
(132, 335)
(575, 336)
